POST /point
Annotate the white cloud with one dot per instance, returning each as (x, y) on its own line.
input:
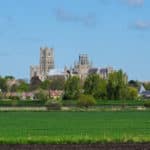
(135, 2)
(142, 25)
(128, 2)
(66, 16)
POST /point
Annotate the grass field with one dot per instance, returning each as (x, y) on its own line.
(74, 127)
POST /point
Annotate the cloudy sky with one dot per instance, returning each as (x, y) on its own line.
(113, 32)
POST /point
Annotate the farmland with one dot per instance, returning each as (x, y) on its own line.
(74, 127)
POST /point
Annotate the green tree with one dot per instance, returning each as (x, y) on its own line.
(117, 85)
(3, 84)
(45, 85)
(132, 93)
(95, 86)
(103, 89)
(72, 88)
(23, 87)
(9, 77)
(57, 83)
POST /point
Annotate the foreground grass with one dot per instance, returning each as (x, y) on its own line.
(73, 140)
(74, 127)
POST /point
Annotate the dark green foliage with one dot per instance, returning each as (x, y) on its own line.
(14, 97)
(147, 103)
(72, 88)
(9, 77)
(25, 103)
(73, 103)
(109, 103)
(86, 101)
(1, 96)
(57, 83)
(3, 84)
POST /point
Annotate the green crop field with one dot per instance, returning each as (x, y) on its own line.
(74, 127)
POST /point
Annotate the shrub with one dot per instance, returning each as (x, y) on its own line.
(53, 105)
(132, 93)
(1, 96)
(14, 97)
(86, 101)
(41, 96)
(147, 104)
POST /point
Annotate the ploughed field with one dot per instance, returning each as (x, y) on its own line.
(74, 127)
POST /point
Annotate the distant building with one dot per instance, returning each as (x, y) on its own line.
(46, 64)
(103, 72)
(57, 73)
(144, 93)
(56, 94)
(82, 67)
(46, 60)
(35, 71)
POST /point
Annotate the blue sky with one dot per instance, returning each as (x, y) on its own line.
(113, 33)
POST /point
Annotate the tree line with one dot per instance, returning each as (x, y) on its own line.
(115, 87)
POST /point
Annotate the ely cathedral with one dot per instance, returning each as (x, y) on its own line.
(82, 68)
(46, 64)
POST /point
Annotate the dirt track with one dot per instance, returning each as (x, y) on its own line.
(78, 147)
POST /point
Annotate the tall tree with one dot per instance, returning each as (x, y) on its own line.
(23, 87)
(72, 88)
(57, 83)
(103, 89)
(3, 84)
(117, 85)
(95, 86)
(45, 85)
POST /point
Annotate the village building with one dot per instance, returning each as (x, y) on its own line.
(144, 93)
